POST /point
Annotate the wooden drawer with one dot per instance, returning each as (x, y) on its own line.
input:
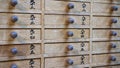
(66, 62)
(73, 0)
(20, 6)
(15, 36)
(66, 7)
(65, 21)
(106, 8)
(19, 50)
(107, 1)
(106, 59)
(20, 20)
(21, 64)
(109, 22)
(64, 35)
(106, 34)
(62, 49)
(106, 47)
(115, 66)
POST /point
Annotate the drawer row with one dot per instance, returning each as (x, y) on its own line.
(57, 21)
(58, 49)
(55, 6)
(14, 36)
(82, 61)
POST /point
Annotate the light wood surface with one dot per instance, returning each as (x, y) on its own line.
(61, 6)
(105, 47)
(104, 59)
(61, 49)
(22, 38)
(60, 35)
(23, 6)
(24, 21)
(21, 63)
(62, 61)
(105, 22)
(105, 8)
(107, 1)
(50, 30)
(116, 66)
(22, 50)
(61, 21)
(105, 34)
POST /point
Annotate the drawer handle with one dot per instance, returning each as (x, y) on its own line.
(14, 2)
(113, 33)
(113, 45)
(70, 62)
(70, 33)
(70, 6)
(14, 18)
(14, 51)
(114, 20)
(70, 47)
(71, 20)
(114, 8)
(13, 34)
(14, 66)
(113, 58)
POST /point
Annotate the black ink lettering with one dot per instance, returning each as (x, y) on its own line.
(32, 32)
(32, 3)
(32, 37)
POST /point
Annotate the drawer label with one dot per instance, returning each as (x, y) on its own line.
(32, 3)
(31, 63)
(32, 34)
(32, 47)
(32, 18)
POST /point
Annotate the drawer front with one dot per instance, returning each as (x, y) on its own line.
(107, 1)
(106, 47)
(20, 20)
(73, 0)
(66, 62)
(106, 34)
(106, 59)
(19, 50)
(65, 21)
(106, 22)
(61, 49)
(63, 35)
(20, 6)
(63, 7)
(9, 36)
(21, 64)
(107, 8)
(116, 66)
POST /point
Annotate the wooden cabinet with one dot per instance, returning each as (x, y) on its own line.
(59, 33)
